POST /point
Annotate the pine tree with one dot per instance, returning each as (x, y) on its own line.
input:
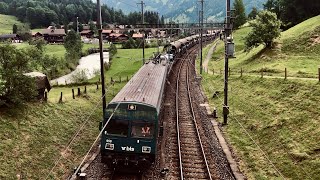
(240, 13)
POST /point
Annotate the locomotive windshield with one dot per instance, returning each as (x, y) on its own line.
(117, 128)
(142, 129)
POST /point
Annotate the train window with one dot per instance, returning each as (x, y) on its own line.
(142, 129)
(117, 128)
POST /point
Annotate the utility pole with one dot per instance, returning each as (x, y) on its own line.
(104, 103)
(77, 24)
(227, 29)
(158, 31)
(201, 33)
(144, 34)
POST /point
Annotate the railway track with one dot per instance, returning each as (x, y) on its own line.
(193, 162)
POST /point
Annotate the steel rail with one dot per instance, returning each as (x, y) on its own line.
(195, 123)
(177, 121)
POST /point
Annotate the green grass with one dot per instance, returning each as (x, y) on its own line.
(125, 63)
(7, 22)
(283, 117)
(295, 51)
(34, 136)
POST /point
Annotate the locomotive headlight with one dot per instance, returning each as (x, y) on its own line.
(109, 146)
(146, 149)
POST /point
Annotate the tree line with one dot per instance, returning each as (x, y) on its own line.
(42, 13)
(292, 12)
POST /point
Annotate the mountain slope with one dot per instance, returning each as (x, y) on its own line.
(183, 10)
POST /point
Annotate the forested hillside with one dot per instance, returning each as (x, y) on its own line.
(41, 13)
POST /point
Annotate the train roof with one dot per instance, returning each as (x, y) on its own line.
(145, 87)
(183, 41)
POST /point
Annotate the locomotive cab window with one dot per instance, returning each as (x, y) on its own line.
(117, 128)
(142, 129)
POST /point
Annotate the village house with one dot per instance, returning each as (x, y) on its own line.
(36, 35)
(137, 36)
(106, 33)
(117, 38)
(54, 35)
(15, 38)
(87, 33)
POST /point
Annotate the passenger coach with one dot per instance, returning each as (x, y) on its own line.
(130, 137)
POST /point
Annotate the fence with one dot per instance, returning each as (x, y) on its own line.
(73, 91)
(266, 73)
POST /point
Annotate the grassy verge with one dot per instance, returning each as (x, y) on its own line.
(281, 116)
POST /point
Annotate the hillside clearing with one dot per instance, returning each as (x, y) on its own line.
(7, 22)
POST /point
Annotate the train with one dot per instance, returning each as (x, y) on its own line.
(132, 118)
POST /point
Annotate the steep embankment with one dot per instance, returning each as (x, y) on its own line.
(274, 124)
(297, 50)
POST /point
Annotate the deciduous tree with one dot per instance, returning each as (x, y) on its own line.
(266, 28)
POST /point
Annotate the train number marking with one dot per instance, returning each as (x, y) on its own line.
(127, 148)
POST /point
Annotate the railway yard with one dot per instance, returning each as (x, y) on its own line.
(189, 148)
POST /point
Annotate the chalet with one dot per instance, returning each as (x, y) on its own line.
(36, 35)
(137, 36)
(10, 37)
(115, 37)
(87, 33)
(54, 35)
(106, 33)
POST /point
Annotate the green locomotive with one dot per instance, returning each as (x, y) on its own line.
(129, 139)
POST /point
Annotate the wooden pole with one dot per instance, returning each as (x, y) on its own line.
(79, 93)
(60, 100)
(45, 96)
(241, 71)
(285, 73)
(73, 94)
(85, 89)
(319, 73)
(97, 85)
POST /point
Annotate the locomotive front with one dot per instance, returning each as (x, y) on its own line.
(129, 139)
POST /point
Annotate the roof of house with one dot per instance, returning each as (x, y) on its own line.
(54, 31)
(117, 35)
(8, 36)
(107, 31)
(86, 32)
(137, 35)
(86, 27)
(34, 33)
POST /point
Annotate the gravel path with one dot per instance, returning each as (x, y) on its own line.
(89, 65)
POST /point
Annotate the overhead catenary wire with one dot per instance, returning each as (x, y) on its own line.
(74, 137)
(95, 141)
